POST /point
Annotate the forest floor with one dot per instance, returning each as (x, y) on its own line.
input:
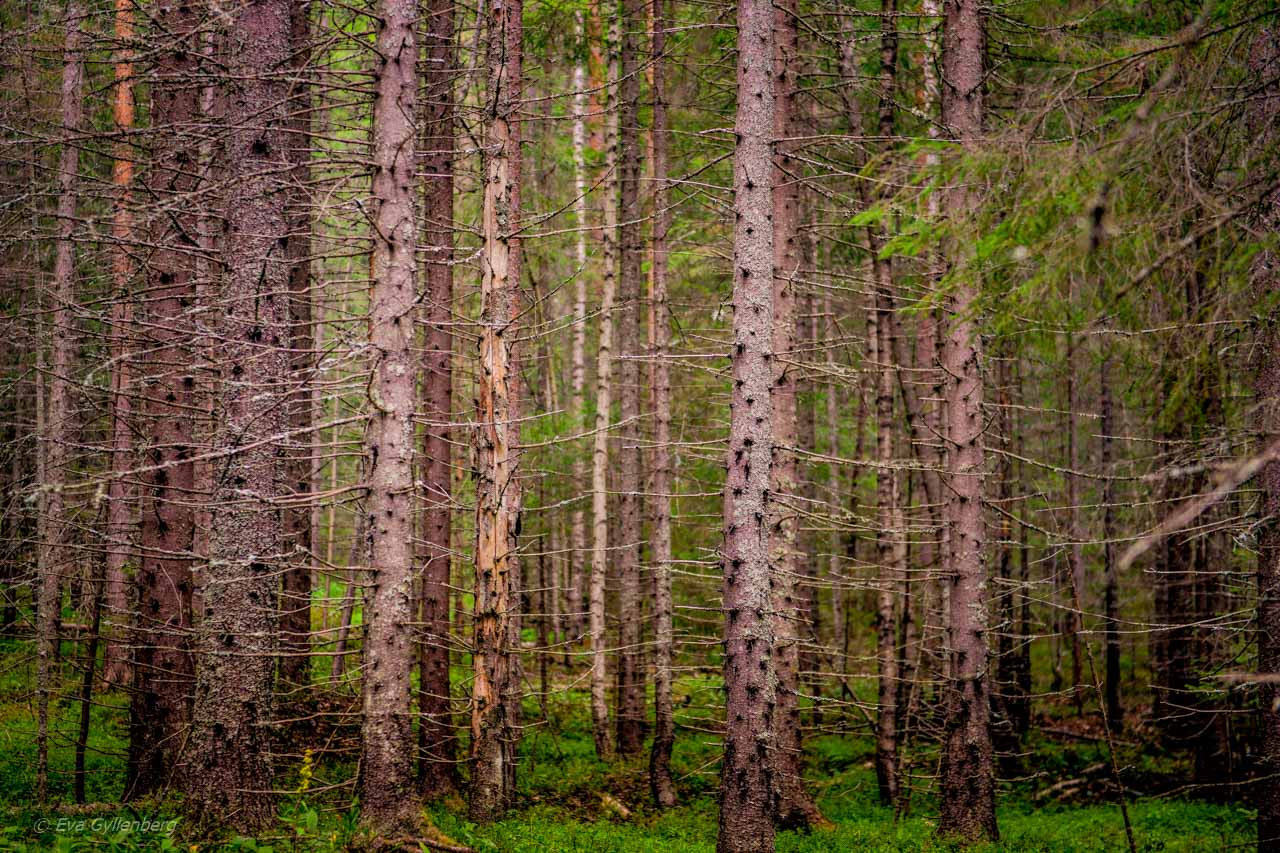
(569, 801)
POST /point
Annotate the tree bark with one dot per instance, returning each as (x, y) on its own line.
(793, 807)
(968, 777)
(1111, 580)
(746, 783)
(229, 776)
(498, 434)
(115, 661)
(631, 719)
(386, 762)
(54, 554)
(578, 357)
(661, 784)
(600, 449)
(880, 345)
(163, 668)
(437, 745)
(295, 591)
(1265, 278)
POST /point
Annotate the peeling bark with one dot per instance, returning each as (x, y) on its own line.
(497, 434)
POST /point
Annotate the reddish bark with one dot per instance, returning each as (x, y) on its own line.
(746, 784)
(295, 584)
(968, 775)
(793, 807)
(163, 668)
(115, 662)
(229, 775)
(386, 763)
(497, 435)
(437, 745)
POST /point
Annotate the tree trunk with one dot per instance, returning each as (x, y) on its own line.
(1073, 616)
(55, 555)
(115, 663)
(386, 763)
(1111, 594)
(163, 667)
(661, 785)
(793, 807)
(1265, 278)
(437, 745)
(229, 777)
(968, 777)
(295, 583)
(880, 345)
(751, 723)
(631, 672)
(497, 435)
(578, 358)
(600, 449)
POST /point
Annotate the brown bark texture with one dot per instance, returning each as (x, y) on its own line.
(229, 773)
(968, 775)
(751, 686)
(437, 745)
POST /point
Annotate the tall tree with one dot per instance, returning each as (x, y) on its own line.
(386, 762)
(968, 774)
(159, 707)
(1265, 278)
(793, 807)
(295, 583)
(229, 774)
(661, 784)
(751, 720)
(437, 770)
(600, 449)
(115, 664)
(631, 671)
(55, 558)
(578, 355)
(497, 434)
(880, 339)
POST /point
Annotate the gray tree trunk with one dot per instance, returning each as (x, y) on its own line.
(631, 717)
(661, 785)
(54, 557)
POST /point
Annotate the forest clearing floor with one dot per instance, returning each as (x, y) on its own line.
(1055, 797)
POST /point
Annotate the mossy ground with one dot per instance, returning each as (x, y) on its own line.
(561, 807)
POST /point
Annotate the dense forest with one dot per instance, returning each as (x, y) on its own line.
(643, 425)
